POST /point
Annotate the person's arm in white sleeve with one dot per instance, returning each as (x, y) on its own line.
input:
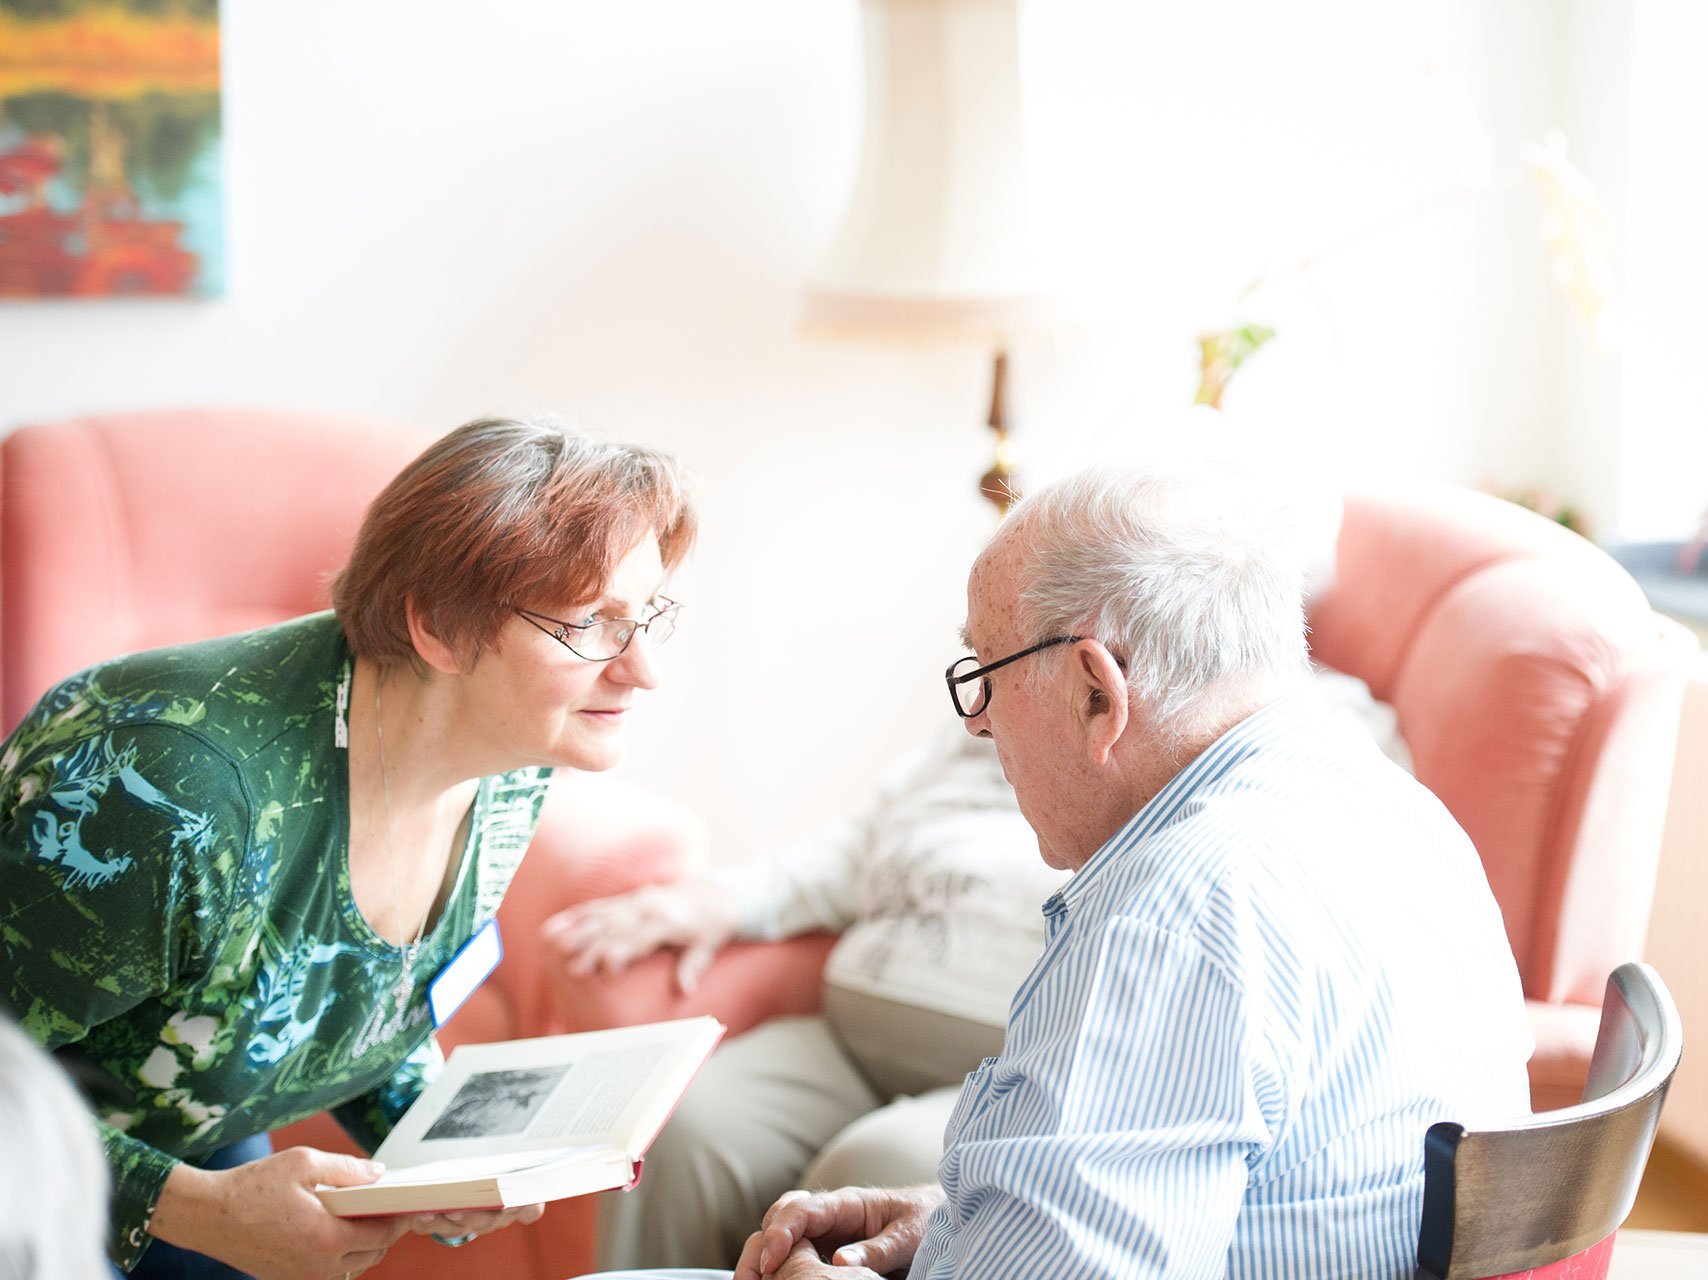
(811, 884)
(804, 887)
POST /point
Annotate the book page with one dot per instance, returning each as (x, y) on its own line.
(608, 1089)
(596, 1091)
(493, 1104)
(557, 1103)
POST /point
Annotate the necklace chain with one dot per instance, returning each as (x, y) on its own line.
(408, 949)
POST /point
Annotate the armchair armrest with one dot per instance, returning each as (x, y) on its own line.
(748, 983)
(598, 838)
(1565, 1040)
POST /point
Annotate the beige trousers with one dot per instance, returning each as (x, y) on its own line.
(780, 1107)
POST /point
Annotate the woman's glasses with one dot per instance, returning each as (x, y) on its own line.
(602, 639)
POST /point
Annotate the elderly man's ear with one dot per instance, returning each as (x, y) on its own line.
(1102, 694)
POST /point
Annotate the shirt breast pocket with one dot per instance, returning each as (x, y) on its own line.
(974, 1094)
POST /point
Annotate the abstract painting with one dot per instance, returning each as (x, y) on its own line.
(110, 148)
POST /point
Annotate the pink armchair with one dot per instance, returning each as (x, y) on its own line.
(1540, 696)
(127, 531)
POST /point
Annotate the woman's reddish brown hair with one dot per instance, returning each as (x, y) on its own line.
(498, 514)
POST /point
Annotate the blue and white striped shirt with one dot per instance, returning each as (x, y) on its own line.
(1239, 1030)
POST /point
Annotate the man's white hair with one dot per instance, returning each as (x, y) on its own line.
(53, 1179)
(1192, 577)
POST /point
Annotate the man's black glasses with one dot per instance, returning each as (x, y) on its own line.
(970, 690)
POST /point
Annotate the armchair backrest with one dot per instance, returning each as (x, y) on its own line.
(127, 531)
(1542, 1190)
(1539, 694)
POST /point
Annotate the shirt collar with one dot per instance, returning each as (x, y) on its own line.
(1287, 715)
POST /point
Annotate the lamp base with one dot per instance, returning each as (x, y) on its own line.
(996, 484)
(999, 485)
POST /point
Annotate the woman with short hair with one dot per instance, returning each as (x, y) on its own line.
(229, 869)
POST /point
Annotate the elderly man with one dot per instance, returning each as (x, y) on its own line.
(1248, 1009)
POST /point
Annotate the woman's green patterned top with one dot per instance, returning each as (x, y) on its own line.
(175, 907)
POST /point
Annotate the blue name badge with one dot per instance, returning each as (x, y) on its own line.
(467, 969)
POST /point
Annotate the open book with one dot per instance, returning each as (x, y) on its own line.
(519, 1122)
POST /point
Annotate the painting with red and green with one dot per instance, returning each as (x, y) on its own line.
(110, 148)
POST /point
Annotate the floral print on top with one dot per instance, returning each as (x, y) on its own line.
(175, 910)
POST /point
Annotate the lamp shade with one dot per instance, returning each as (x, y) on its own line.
(937, 241)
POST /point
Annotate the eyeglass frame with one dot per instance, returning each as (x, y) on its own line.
(562, 628)
(983, 673)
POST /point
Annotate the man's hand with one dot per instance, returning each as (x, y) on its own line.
(264, 1219)
(608, 934)
(805, 1264)
(871, 1227)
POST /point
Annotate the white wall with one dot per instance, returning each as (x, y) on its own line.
(1662, 464)
(438, 210)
